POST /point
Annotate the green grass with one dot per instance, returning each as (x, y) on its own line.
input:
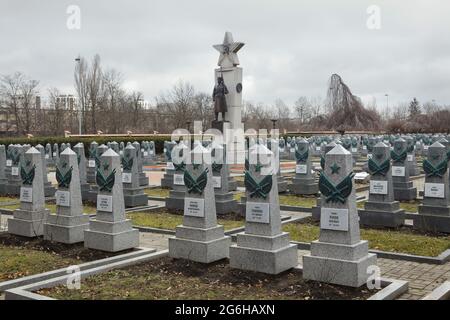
(52, 207)
(165, 220)
(157, 192)
(288, 200)
(403, 241)
(8, 199)
(411, 206)
(18, 262)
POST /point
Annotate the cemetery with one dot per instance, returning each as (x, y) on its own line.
(213, 197)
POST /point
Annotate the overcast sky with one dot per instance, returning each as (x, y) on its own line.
(291, 47)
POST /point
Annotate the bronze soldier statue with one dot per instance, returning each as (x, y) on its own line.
(220, 103)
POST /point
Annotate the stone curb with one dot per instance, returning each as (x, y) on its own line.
(440, 293)
(284, 219)
(10, 284)
(25, 292)
(10, 212)
(391, 288)
(441, 259)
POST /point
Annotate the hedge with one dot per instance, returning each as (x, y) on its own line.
(159, 140)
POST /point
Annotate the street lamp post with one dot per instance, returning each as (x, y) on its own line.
(78, 60)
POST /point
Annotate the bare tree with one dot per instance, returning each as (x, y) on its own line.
(10, 91)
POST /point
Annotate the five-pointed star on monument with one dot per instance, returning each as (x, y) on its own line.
(335, 168)
(228, 50)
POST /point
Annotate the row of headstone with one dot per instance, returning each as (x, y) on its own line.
(109, 231)
(339, 256)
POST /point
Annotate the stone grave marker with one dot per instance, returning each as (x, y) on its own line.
(69, 223)
(434, 212)
(110, 231)
(304, 181)
(199, 238)
(263, 247)
(339, 256)
(134, 195)
(381, 210)
(403, 186)
(28, 221)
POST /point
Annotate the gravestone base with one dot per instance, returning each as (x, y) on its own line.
(28, 223)
(232, 184)
(49, 190)
(304, 186)
(404, 191)
(377, 218)
(175, 201)
(111, 236)
(66, 229)
(134, 197)
(143, 179)
(266, 254)
(91, 195)
(414, 171)
(338, 263)
(200, 245)
(434, 210)
(434, 223)
(167, 179)
(382, 214)
(225, 203)
(13, 189)
(90, 175)
(315, 211)
(282, 185)
(85, 189)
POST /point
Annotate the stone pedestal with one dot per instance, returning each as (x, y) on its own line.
(69, 223)
(133, 193)
(434, 212)
(49, 190)
(339, 256)
(403, 186)
(263, 247)
(92, 163)
(199, 239)
(304, 182)
(175, 201)
(28, 221)
(167, 180)
(225, 202)
(381, 210)
(14, 177)
(110, 230)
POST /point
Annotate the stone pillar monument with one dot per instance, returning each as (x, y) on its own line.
(110, 231)
(304, 181)
(134, 195)
(28, 221)
(339, 256)
(231, 74)
(434, 212)
(403, 186)
(3, 180)
(263, 247)
(69, 223)
(180, 155)
(381, 210)
(81, 157)
(49, 190)
(200, 238)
